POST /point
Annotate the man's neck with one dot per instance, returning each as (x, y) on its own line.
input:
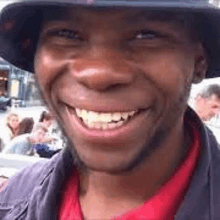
(115, 194)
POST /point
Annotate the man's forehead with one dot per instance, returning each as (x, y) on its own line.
(130, 15)
(122, 18)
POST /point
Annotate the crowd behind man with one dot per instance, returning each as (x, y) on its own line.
(23, 136)
(23, 144)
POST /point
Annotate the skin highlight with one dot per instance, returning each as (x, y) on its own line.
(148, 65)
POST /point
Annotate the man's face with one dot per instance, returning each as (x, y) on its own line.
(208, 108)
(118, 82)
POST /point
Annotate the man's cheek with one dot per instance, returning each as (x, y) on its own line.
(44, 65)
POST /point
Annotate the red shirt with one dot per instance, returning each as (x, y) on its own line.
(162, 205)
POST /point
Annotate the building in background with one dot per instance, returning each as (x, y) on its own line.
(4, 78)
(19, 85)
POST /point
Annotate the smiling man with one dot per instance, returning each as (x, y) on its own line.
(117, 74)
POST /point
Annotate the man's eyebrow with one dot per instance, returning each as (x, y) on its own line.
(135, 18)
(156, 15)
(145, 16)
(61, 14)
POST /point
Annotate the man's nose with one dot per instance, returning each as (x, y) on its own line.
(102, 70)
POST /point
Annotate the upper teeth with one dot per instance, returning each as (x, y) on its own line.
(91, 116)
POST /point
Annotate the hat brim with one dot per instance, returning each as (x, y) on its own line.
(20, 19)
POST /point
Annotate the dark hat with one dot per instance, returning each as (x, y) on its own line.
(20, 24)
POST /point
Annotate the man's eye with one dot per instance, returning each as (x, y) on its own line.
(146, 35)
(69, 34)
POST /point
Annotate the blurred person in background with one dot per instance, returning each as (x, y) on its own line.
(46, 118)
(207, 106)
(25, 126)
(52, 142)
(54, 138)
(207, 102)
(23, 144)
(8, 131)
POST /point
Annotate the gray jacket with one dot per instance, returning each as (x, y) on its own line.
(33, 194)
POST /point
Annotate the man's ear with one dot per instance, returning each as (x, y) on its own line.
(201, 64)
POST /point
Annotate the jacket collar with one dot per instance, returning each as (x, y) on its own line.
(199, 200)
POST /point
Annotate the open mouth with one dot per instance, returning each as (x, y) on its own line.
(104, 121)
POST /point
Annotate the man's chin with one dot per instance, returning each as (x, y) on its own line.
(118, 164)
(86, 165)
(114, 168)
(109, 165)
